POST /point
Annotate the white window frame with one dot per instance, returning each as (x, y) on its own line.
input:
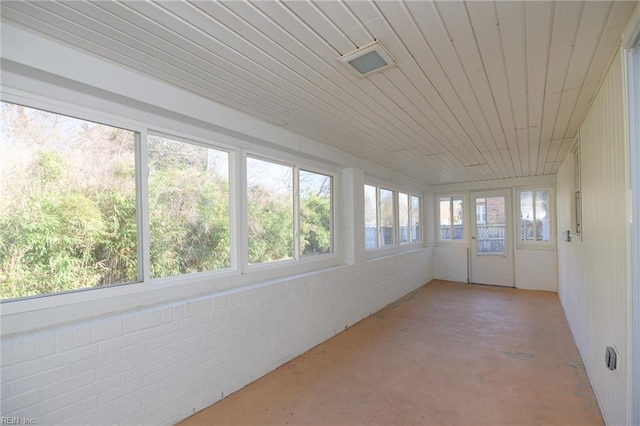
(465, 225)
(397, 246)
(420, 237)
(394, 214)
(35, 312)
(548, 245)
(408, 218)
(410, 195)
(145, 199)
(297, 258)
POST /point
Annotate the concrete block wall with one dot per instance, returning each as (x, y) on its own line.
(161, 364)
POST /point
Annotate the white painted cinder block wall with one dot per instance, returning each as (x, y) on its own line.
(161, 364)
(594, 284)
(161, 361)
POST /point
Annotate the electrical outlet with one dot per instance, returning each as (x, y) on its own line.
(611, 358)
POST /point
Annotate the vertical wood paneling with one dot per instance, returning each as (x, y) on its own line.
(450, 263)
(536, 269)
(594, 279)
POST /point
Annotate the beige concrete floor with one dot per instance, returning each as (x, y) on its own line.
(447, 354)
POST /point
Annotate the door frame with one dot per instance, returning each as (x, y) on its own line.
(509, 255)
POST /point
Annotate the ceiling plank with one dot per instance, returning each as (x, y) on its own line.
(486, 27)
(539, 28)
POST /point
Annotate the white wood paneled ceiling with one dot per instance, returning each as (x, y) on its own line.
(482, 89)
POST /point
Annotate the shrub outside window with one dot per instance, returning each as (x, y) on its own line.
(68, 210)
(269, 211)
(315, 213)
(72, 216)
(188, 208)
(273, 218)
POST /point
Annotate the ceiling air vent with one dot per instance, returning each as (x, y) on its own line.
(368, 59)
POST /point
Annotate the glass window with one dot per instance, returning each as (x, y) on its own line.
(403, 217)
(387, 208)
(269, 211)
(70, 201)
(445, 218)
(535, 216)
(490, 225)
(370, 217)
(68, 216)
(527, 216)
(315, 213)
(188, 208)
(382, 229)
(451, 220)
(416, 232)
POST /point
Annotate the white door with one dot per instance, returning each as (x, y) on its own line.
(491, 251)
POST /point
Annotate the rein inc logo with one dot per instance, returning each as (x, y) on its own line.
(5, 420)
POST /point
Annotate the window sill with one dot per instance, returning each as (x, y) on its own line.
(32, 314)
(373, 254)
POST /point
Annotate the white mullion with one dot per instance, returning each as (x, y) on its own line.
(142, 212)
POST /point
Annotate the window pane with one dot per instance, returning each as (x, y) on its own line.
(315, 213)
(67, 204)
(490, 239)
(415, 219)
(188, 208)
(370, 217)
(386, 217)
(403, 217)
(269, 211)
(526, 216)
(457, 219)
(445, 218)
(542, 216)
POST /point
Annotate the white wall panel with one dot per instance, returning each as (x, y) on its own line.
(594, 283)
(450, 263)
(536, 269)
